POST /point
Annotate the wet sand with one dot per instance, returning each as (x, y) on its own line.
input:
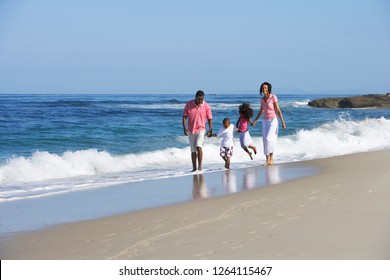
(341, 212)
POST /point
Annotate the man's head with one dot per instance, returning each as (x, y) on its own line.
(199, 97)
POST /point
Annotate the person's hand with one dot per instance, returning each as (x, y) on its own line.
(210, 133)
(253, 123)
(284, 125)
(185, 131)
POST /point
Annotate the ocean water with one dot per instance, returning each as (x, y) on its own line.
(52, 144)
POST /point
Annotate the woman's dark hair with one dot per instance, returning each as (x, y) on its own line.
(246, 110)
(269, 88)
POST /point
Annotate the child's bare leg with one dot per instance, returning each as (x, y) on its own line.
(224, 159)
(227, 163)
(253, 148)
(249, 153)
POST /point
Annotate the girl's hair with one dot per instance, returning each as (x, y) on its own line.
(269, 88)
(246, 110)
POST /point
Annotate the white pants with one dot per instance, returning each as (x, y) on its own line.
(270, 135)
(245, 139)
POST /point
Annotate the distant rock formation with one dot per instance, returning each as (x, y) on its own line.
(365, 101)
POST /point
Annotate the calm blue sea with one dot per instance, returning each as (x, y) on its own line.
(52, 144)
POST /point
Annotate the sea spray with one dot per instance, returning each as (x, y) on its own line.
(46, 173)
(338, 137)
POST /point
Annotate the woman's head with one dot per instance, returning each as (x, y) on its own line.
(265, 88)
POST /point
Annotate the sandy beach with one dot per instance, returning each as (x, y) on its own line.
(342, 212)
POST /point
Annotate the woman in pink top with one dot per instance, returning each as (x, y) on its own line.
(270, 108)
(246, 112)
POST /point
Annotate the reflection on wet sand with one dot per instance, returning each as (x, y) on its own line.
(251, 178)
(229, 181)
(236, 180)
(272, 175)
(199, 189)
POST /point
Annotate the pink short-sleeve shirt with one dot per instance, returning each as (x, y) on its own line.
(269, 106)
(243, 125)
(197, 116)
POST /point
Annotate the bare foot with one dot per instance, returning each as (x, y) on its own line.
(250, 155)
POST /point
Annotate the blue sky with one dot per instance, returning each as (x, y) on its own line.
(118, 46)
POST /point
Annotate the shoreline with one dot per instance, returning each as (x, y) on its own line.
(341, 212)
(42, 212)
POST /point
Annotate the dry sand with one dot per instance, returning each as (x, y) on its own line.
(341, 213)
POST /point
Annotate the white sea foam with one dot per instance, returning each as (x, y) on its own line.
(336, 138)
(45, 173)
(296, 104)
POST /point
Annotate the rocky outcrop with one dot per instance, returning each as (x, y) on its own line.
(365, 101)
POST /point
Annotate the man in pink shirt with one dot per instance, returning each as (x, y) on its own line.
(197, 111)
